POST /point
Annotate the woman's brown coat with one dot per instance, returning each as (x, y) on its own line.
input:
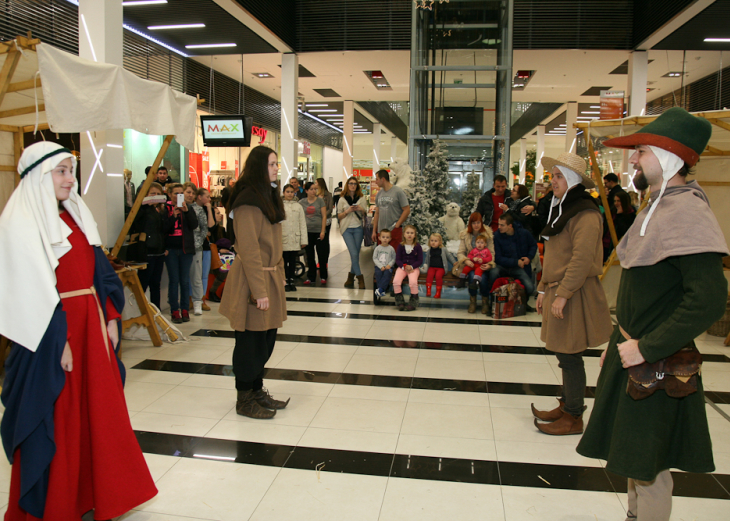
(572, 263)
(257, 271)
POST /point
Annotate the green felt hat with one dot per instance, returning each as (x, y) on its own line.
(676, 131)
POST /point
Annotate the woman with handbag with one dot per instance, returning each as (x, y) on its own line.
(254, 301)
(65, 426)
(467, 242)
(576, 311)
(351, 210)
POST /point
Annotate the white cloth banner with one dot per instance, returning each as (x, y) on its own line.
(82, 95)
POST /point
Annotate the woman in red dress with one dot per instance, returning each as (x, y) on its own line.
(66, 417)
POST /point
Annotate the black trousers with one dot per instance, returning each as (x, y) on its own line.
(152, 276)
(321, 246)
(253, 349)
(574, 382)
(290, 259)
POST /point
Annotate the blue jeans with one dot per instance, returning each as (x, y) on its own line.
(485, 287)
(383, 278)
(524, 275)
(206, 269)
(178, 270)
(353, 240)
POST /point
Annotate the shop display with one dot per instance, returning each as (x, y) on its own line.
(219, 179)
(452, 222)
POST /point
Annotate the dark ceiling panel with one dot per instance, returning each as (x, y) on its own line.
(327, 93)
(278, 15)
(651, 15)
(382, 111)
(595, 91)
(530, 119)
(573, 24)
(53, 21)
(713, 22)
(220, 27)
(304, 72)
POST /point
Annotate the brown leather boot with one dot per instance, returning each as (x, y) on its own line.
(567, 424)
(350, 282)
(549, 416)
(191, 304)
(486, 310)
(472, 304)
(205, 307)
(360, 282)
(246, 405)
(264, 399)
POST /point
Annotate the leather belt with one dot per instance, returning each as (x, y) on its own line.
(102, 321)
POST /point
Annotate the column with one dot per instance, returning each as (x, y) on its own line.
(102, 155)
(539, 170)
(638, 63)
(393, 145)
(289, 115)
(571, 116)
(376, 147)
(523, 159)
(347, 143)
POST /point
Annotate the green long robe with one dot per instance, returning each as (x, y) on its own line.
(666, 306)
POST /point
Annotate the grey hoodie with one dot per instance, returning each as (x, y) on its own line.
(682, 224)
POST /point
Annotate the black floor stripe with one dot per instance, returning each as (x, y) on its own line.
(486, 472)
(418, 344)
(400, 382)
(405, 317)
(445, 304)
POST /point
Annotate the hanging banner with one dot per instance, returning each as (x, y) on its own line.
(235, 162)
(612, 104)
(196, 168)
(205, 169)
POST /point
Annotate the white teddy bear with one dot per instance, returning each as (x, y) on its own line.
(400, 173)
(452, 222)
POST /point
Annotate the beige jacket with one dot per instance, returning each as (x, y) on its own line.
(257, 271)
(465, 246)
(572, 263)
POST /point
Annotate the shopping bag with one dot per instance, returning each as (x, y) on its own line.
(509, 298)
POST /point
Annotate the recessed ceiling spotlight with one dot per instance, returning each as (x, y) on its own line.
(262, 75)
(673, 74)
(209, 45)
(132, 3)
(178, 26)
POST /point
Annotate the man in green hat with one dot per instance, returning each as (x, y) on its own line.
(672, 289)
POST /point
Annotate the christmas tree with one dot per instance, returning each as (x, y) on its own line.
(470, 197)
(429, 194)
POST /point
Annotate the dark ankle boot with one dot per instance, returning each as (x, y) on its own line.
(485, 307)
(567, 424)
(400, 302)
(350, 282)
(246, 405)
(412, 303)
(264, 399)
(549, 416)
(360, 282)
(461, 283)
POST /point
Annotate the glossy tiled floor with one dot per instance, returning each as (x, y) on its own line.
(393, 416)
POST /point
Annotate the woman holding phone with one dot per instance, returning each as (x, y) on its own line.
(351, 210)
(254, 300)
(316, 213)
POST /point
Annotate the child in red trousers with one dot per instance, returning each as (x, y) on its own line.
(438, 260)
(479, 255)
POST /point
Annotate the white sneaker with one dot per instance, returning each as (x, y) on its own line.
(198, 307)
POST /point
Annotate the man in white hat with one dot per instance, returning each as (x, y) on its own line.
(672, 289)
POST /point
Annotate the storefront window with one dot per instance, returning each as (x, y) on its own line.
(140, 151)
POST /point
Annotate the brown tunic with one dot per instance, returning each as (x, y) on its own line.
(573, 262)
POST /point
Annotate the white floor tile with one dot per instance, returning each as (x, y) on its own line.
(260, 432)
(525, 503)
(382, 365)
(455, 421)
(172, 424)
(520, 373)
(200, 402)
(354, 440)
(141, 394)
(450, 369)
(313, 361)
(446, 447)
(360, 415)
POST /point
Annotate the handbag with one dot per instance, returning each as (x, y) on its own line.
(458, 267)
(215, 259)
(676, 374)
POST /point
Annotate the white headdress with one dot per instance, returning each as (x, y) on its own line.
(34, 237)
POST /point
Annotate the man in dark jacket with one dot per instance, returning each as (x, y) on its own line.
(612, 186)
(543, 208)
(514, 249)
(494, 202)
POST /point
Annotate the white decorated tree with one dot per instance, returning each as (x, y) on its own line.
(470, 197)
(429, 194)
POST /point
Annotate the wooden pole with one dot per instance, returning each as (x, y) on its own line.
(18, 139)
(7, 71)
(141, 195)
(601, 190)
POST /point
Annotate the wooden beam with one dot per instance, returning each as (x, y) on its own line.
(7, 71)
(716, 151)
(24, 85)
(21, 111)
(715, 183)
(598, 178)
(41, 126)
(21, 41)
(7, 168)
(141, 195)
(9, 128)
(18, 145)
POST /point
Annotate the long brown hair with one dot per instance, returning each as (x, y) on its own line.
(255, 178)
(476, 216)
(358, 192)
(322, 185)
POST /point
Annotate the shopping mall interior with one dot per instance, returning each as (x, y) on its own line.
(422, 414)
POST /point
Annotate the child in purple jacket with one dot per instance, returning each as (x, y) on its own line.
(408, 258)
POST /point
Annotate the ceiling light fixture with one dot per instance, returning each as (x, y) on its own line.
(319, 120)
(672, 74)
(719, 40)
(589, 112)
(209, 45)
(595, 106)
(158, 42)
(317, 105)
(323, 110)
(262, 75)
(132, 3)
(178, 26)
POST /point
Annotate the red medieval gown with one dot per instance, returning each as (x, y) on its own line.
(98, 463)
